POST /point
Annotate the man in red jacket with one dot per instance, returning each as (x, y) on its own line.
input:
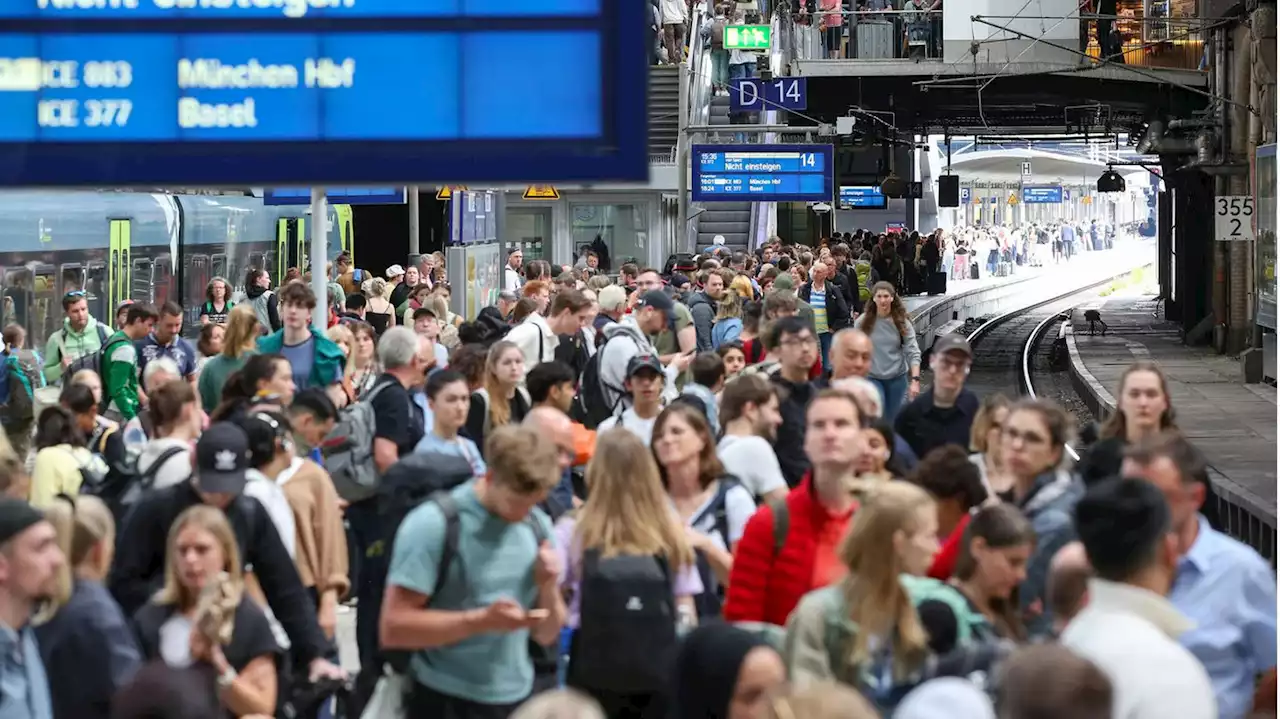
(790, 548)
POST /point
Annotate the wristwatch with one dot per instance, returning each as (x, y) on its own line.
(227, 678)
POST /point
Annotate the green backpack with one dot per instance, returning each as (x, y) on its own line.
(863, 272)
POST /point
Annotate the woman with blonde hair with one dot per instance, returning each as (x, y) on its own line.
(203, 617)
(87, 645)
(238, 344)
(626, 518)
(881, 642)
(824, 700)
(501, 400)
(984, 442)
(362, 365)
(378, 310)
(895, 361)
(728, 321)
(342, 336)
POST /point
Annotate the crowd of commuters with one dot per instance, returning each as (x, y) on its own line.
(720, 490)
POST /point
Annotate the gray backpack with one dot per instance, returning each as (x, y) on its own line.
(348, 449)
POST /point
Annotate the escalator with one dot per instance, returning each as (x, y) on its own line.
(664, 110)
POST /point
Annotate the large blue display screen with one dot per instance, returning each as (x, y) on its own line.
(275, 91)
(213, 9)
(767, 173)
(1043, 195)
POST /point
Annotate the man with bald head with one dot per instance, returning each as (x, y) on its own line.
(556, 428)
(1068, 589)
(851, 359)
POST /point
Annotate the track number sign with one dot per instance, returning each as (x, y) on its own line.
(1233, 218)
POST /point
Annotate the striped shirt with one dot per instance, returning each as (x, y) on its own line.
(818, 301)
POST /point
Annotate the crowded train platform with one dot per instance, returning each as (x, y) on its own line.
(738, 487)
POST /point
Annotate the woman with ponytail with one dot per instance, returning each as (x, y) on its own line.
(265, 378)
(88, 647)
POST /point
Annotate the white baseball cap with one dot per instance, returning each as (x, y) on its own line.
(394, 271)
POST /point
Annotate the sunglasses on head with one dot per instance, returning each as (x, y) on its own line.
(76, 293)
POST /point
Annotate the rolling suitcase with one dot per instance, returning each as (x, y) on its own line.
(973, 270)
(937, 283)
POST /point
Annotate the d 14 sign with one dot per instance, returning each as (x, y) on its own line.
(754, 95)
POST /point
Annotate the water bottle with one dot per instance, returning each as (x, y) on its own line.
(686, 619)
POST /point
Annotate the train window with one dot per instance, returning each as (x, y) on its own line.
(162, 280)
(218, 267)
(72, 277)
(142, 281)
(95, 284)
(18, 290)
(46, 310)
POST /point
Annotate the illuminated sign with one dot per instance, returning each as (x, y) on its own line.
(769, 173)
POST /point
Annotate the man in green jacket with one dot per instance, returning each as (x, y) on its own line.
(120, 362)
(80, 335)
(316, 360)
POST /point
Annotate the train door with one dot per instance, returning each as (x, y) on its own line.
(119, 266)
(346, 231)
(291, 246)
(46, 314)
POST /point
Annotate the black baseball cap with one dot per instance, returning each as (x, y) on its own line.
(658, 300)
(222, 456)
(952, 342)
(16, 516)
(643, 362)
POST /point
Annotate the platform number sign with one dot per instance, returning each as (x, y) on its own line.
(1233, 218)
(755, 95)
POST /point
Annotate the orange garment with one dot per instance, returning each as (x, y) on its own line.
(827, 567)
(584, 444)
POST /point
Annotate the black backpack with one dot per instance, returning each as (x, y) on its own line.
(93, 360)
(408, 483)
(712, 598)
(592, 405)
(122, 485)
(626, 637)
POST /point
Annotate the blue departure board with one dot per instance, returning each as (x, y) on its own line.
(767, 173)
(861, 197)
(1042, 195)
(336, 196)
(240, 92)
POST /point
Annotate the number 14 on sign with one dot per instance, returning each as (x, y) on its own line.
(754, 95)
(1233, 218)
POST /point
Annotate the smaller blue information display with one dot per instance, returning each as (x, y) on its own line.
(336, 196)
(861, 197)
(768, 173)
(755, 95)
(966, 195)
(1044, 195)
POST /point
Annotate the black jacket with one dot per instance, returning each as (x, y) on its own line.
(789, 445)
(138, 570)
(837, 304)
(926, 427)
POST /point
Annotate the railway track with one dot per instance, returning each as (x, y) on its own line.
(1010, 351)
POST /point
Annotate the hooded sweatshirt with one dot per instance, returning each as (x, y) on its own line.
(624, 340)
(703, 309)
(266, 307)
(177, 466)
(77, 344)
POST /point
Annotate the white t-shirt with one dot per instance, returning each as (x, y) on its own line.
(739, 505)
(752, 460)
(642, 428)
(272, 497)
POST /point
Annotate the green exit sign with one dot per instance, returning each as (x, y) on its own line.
(747, 37)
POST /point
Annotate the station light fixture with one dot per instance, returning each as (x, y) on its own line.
(1110, 181)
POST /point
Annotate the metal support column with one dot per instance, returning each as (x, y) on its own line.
(319, 257)
(415, 222)
(682, 164)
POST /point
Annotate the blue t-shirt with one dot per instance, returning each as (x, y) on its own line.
(498, 557)
(301, 359)
(179, 350)
(432, 443)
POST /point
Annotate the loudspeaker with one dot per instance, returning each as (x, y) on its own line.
(948, 191)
